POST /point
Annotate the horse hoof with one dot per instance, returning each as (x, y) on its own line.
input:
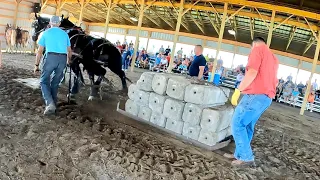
(90, 98)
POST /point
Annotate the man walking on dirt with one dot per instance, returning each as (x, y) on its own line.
(58, 52)
(259, 87)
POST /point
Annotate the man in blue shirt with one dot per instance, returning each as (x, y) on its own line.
(126, 56)
(57, 54)
(198, 64)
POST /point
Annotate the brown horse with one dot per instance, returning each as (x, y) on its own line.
(10, 35)
(22, 39)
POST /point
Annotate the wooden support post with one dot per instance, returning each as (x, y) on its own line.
(81, 13)
(17, 2)
(223, 24)
(136, 44)
(58, 8)
(175, 39)
(125, 35)
(271, 28)
(148, 38)
(314, 65)
(106, 27)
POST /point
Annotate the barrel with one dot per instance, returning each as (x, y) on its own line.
(216, 79)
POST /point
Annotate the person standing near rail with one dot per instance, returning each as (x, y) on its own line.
(259, 87)
(58, 53)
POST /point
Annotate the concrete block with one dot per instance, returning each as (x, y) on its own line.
(145, 81)
(191, 131)
(158, 119)
(192, 114)
(206, 95)
(211, 138)
(144, 113)
(173, 109)
(156, 102)
(132, 91)
(226, 118)
(142, 97)
(159, 83)
(175, 126)
(176, 87)
(217, 118)
(131, 107)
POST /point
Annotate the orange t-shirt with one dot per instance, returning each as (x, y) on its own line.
(168, 59)
(311, 98)
(266, 63)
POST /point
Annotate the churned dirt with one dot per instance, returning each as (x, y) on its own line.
(91, 140)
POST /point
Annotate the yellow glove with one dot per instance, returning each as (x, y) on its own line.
(235, 97)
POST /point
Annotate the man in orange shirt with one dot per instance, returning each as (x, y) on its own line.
(259, 87)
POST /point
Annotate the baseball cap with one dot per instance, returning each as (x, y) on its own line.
(55, 20)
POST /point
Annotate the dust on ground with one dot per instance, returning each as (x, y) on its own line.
(90, 140)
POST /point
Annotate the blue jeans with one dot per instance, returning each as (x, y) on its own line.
(246, 115)
(125, 63)
(51, 75)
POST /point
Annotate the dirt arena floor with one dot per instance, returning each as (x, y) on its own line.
(91, 140)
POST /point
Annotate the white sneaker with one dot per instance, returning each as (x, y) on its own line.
(310, 110)
(50, 109)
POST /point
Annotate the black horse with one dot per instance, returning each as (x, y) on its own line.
(92, 53)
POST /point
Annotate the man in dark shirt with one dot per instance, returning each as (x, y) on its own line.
(167, 51)
(198, 64)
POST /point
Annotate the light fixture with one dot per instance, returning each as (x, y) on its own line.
(232, 32)
(134, 19)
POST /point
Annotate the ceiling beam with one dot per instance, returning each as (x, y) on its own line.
(258, 5)
(293, 31)
(196, 22)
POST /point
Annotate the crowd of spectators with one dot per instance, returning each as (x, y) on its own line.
(290, 92)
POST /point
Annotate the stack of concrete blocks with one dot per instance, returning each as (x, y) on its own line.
(173, 102)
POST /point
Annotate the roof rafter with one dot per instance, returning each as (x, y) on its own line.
(293, 31)
(163, 18)
(212, 23)
(251, 28)
(96, 8)
(312, 40)
(198, 25)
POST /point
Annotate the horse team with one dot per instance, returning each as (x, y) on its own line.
(93, 53)
(16, 39)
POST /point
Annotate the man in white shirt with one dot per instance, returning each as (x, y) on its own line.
(314, 85)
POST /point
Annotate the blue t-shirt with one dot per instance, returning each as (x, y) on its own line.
(144, 56)
(55, 40)
(126, 54)
(194, 68)
(295, 93)
(158, 60)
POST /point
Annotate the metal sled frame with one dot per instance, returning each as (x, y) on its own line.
(217, 146)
